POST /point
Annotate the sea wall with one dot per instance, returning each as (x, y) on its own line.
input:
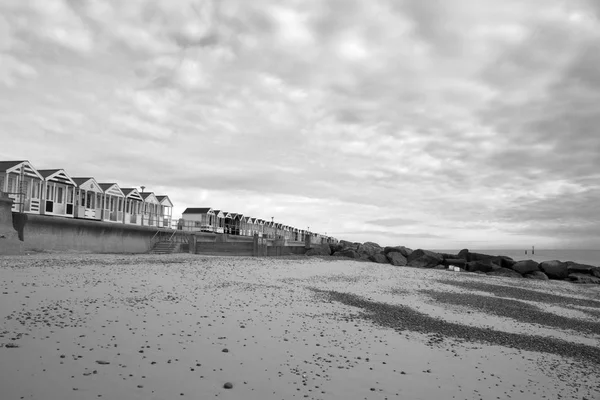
(9, 238)
(48, 233)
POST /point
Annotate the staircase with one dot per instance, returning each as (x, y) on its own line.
(164, 247)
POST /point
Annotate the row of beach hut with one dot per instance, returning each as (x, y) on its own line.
(206, 219)
(53, 192)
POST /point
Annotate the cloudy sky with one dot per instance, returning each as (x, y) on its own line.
(439, 124)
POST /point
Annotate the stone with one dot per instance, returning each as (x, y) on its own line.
(582, 268)
(322, 250)
(405, 251)
(228, 385)
(348, 245)
(596, 272)
(578, 277)
(349, 253)
(506, 272)
(537, 275)
(369, 249)
(457, 262)
(333, 247)
(424, 259)
(501, 261)
(396, 258)
(555, 269)
(526, 266)
(479, 266)
(379, 258)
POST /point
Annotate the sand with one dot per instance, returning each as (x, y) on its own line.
(157, 327)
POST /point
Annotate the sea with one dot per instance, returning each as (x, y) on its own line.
(590, 257)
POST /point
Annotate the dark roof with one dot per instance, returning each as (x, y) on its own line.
(197, 210)
(146, 194)
(126, 191)
(105, 186)
(4, 165)
(79, 181)
(47, 172)
(161, 197)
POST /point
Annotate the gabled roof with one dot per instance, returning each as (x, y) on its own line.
(112, 188)
(88, 182)
(132, 193)
(198, 210)
(227, 215)
(15, 166)
(219, 213)
(56, 175)
(164, 200)
(149, 197)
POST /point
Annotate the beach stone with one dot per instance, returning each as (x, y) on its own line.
(424, 259)
(479, 266)
(369, 249)
(507, 272)
(333, 247)
(537, 275)
(405, 251)
(348, 245)
(526, 266)
(578, 277)
(596, 272)
(349, 253)
(555, 269)
(396, 258)
(228, 385)
(379, 258)
(582, 268)
(501, 261)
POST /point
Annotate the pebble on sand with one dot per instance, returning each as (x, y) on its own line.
(228, 385)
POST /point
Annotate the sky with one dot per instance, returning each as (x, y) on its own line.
(441, 124)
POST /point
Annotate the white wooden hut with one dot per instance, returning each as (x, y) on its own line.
(113, 203)
(88, 199)
(151, 209)
(23, 183)
(199, 219)
(58, 194)
(165, 213)
(134, 205)
(220, 221)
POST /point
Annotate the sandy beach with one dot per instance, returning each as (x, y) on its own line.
(82, 326)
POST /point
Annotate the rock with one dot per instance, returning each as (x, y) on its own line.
(424, 259)
(581, 268)
(507, 272)
(479, 266)
(369, 249)
(501, 261)
(596, 272)
(578, 277)
(379, 258)
(457, 262)
(225, 350)
(348, 245)
(349, 253)
(228, 385)
(526, 266)
(322, 250)
(405, 251)
(333, 247)
(101, 362)
(537, 275)
(396, 258)
(555, 269)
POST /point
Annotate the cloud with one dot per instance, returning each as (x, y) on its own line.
(453, 121)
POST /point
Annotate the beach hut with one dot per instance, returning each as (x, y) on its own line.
(23, 184)
(151, 209)
(88, 199)
(220, 221)
(165, 212)
(250, 226)
(113, 203)
(134, 206)
(246, 224)
(229, 222)
(199, 219)
(58, 194)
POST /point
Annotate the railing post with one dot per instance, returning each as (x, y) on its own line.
(192, 243)
(255, 245)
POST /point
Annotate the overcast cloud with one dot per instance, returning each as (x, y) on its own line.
(440, 124)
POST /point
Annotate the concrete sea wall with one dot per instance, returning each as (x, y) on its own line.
(9, 238)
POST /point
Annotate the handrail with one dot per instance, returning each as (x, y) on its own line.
(172, 235)
(157, 232)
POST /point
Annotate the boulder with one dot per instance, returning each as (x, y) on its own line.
(526, 266)
(507, 272)
(349, 253)
(348, 245)
(555, 269)
(336, 247)
(323, 250)
(479, 266)
(405, 251)
(501, 261)
(537, 275)
(596, 272)
(396, 258)
(379, 258)
(369, 249)
(581, 268)
(578, 277)
(424, 259)
(457, 262)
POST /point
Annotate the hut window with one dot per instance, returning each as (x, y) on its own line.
(90, 199)
(70, 194)
(1, 183)
(99, 201)
(10, 188)
(35, 190)
(49, 192)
